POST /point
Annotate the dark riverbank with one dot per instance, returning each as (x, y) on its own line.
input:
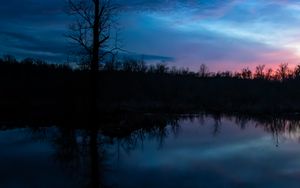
(31, 89)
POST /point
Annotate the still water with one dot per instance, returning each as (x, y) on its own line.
(203, 151)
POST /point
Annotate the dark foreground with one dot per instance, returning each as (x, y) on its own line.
(178, 151)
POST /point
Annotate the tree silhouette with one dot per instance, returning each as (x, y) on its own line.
(283, 71)
(92, 28)
(92, 31)
(269, 74)
(246, 73)
(259, 71)
(203, 71)
(297, 71)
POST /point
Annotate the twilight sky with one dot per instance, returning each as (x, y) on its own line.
(224, 34)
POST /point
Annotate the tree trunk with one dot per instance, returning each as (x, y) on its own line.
(94, 163)
(95, 58)
(96, 33)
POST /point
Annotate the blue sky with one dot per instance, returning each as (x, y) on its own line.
(224, 34)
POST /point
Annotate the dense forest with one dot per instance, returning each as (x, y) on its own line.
(32, 88)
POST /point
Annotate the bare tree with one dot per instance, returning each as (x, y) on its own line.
(283, 71)
(297, 71)
(259, 71)
(269, 74)
(92, 32)
(92, 28)
(246, 73)
(203, 71)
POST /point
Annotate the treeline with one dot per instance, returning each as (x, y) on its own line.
(31, 88)
(283, 71)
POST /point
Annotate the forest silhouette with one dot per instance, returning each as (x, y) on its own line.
(34, 88)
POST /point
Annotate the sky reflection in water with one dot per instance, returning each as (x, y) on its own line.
(197, 152)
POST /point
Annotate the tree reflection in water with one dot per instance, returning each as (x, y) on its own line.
(83, 153)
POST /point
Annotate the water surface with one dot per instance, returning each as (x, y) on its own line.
(204, 151)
